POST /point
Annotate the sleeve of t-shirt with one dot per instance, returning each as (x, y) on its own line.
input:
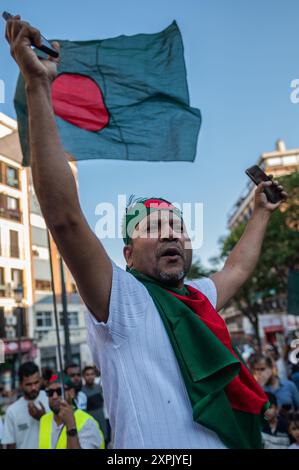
(90, 436)
(128, 303)
(9, 435)
(207, 287)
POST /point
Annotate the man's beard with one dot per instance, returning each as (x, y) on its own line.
(172, 279)
(78, 387)
(31, 396)
(55, 408)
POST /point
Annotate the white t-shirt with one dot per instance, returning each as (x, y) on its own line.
(81, 400)
(89, 436)
(19, 427)
(294, 446)
(143, 388)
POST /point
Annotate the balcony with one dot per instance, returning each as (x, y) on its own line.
(47, 337)
(11, 214)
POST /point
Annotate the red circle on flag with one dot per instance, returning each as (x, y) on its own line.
(79, 100)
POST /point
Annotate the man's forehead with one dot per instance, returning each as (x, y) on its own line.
(32, 378)
(164, 215)
(55, 385)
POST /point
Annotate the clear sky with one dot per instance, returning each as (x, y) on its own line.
(241, 56)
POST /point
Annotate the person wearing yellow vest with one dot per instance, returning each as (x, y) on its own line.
(65, 426)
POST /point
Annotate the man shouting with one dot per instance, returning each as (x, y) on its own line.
(170, 374)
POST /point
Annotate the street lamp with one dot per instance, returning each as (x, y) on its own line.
(18, 295)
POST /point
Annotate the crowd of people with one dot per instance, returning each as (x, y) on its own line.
(56, 411)
(41, 417)
(279, 378)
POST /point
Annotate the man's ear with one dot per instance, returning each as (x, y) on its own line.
(128, 249)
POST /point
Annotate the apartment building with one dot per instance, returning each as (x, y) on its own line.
(16, 294)
(26, 298)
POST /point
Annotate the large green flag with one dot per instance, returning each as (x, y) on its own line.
(124, 98)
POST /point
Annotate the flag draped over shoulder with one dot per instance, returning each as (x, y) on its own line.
(124, 98)
(224, 396)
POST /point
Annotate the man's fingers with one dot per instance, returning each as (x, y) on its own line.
(260, 188)
(42, 406)
(17, 30)
(284, 195)
(56, 46)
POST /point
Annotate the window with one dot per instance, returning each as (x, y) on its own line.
(2, 283)
(10, 207)
(74, 288)
(73, 318)
(2, 324)
(16, 278)
(12, 177)
(14, 244)
(2, 169)
(42, 285)
(12, 203)
(43, 320)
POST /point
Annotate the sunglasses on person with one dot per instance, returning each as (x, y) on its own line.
(50, 392)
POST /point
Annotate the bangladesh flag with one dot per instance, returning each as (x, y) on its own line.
(124, 98)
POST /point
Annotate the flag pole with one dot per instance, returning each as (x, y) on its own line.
(56, 317)
(67, 343)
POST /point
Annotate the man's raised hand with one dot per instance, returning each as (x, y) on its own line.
(261, 201)
(20, 35)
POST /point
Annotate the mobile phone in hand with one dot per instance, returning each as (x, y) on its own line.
(45, 47)
(257, 175)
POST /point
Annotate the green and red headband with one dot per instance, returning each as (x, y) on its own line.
(141, 209)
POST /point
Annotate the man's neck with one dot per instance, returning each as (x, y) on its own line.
(273, 422)
(57, 420)
(274, 382)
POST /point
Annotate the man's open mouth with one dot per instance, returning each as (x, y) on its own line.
(171, 253)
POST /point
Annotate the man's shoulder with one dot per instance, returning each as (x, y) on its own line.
(206, 286)
(16, 406)
(287, 383)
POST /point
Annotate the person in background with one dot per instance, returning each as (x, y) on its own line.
(74, 373)
(295, 374)
(21, 424)
(46, 375)
(272, 351)
(95, 401)
(275, 429)
(265, 373)
(293, 429)
(65, 426)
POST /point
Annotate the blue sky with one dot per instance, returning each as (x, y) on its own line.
(241, 56)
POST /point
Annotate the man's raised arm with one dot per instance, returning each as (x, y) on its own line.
(53, 180)
(243, 259)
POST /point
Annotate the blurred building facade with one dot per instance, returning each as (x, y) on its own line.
(16, 293)
(25, 263)
(273, 320)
